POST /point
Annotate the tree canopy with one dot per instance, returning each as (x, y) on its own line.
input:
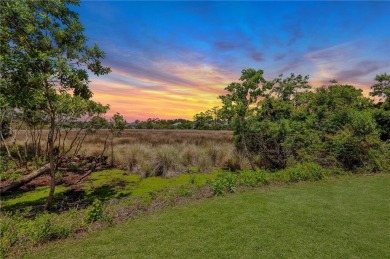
(282, 122)
(44, 63)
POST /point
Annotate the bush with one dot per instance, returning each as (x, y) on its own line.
(253, 178)
(226, 182)
(303, 172)
(9, 232)
(41, 229)
(20, 232)
(94, 212)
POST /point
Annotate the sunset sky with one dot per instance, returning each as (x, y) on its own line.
(173, 59)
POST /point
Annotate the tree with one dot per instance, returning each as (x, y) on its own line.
(382, 87)
(287, 88)
(278, 123)
(44, 54)
(239, 101)
(117, 125)
(203, 120)
(382, 111)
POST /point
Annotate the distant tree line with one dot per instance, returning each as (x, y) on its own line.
(156, 123)
(212, 119)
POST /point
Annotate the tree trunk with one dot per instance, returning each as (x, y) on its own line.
(112, 150)
(104, 148)
(50, 142)
(26, 179)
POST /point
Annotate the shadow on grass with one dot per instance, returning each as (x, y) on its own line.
(36, 204)
(105, 192)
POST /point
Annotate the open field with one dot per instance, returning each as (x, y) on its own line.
(145, 152)
(343, 217)
(151, 136)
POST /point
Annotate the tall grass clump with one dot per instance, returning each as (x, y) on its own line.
(204, 162)
(166, 162)
(136, 158)
(189, 154)
(236, 161)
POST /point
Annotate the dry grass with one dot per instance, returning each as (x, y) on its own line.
(163, 152)
(169, 152)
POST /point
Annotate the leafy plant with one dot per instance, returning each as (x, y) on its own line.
(94, 212)
(226, 182)
(253, 178)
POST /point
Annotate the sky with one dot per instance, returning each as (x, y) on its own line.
(173, 59)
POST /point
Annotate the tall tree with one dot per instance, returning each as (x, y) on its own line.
(43, 54)
(382, 87)
(240, 100)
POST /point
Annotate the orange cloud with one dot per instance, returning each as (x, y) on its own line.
(138, 97)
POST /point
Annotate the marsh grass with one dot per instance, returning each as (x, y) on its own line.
(160, 152)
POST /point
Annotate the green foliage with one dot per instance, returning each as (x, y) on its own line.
(303, 172)
(381, 114)
(344, 217)
(45, 63)
(45, 48)
(156, 123)
(18, 230)
(117, 124)
(382, 87)
(213, 119)
(253, 178)
(333, 125)
(226, 182)
(94, 212)
(9, 231)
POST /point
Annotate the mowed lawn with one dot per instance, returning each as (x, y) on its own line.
(345, 217)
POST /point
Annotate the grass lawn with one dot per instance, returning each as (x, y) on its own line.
(345, 217)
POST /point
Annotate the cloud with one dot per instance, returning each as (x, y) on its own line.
(144, 70)
(292, 65)
(360, 69)
(227, 45)
(334, 53)
(294, 33)
(168, 89)
(349, 63)
(257, 56)
(280, 56)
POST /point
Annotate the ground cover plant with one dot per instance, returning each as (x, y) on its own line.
(332, 218)
(112, 196)
(108, 196)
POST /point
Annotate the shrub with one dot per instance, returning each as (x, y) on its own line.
(309, 171)
(9, 232)
(41, 229)
(226, 182)
(94, 212)
(253, 178)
